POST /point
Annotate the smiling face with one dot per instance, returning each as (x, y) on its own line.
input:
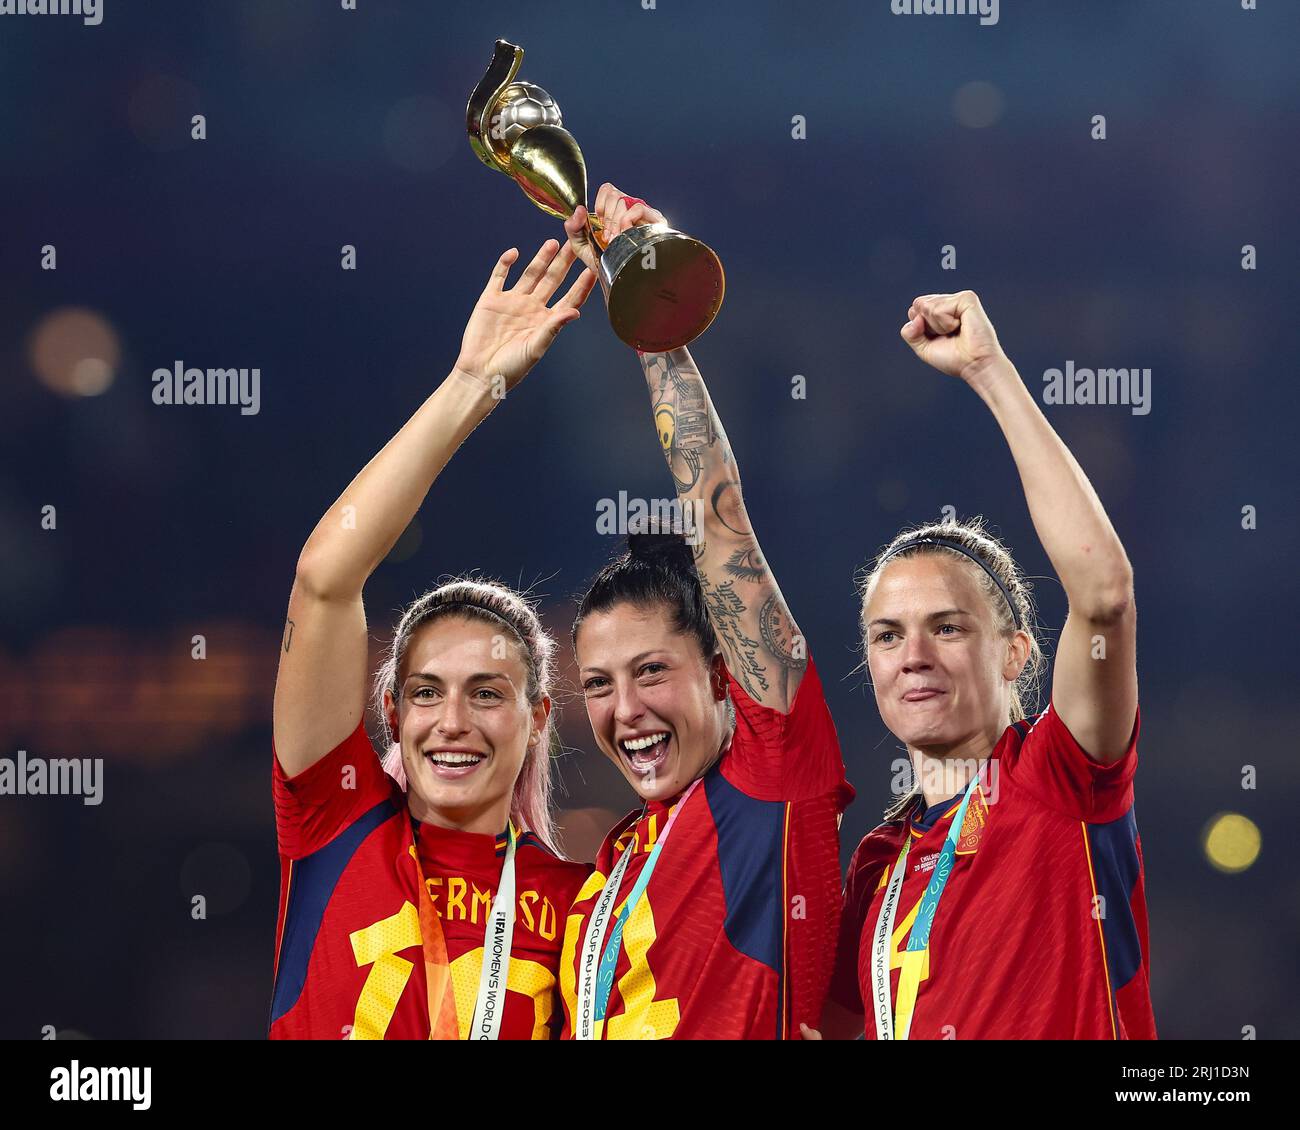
(657, 707)
(941, 668)
(465, 722)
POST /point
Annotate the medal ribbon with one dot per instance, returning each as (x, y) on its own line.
(896, 1023)
(596, 984)
(443, 1022)
(494, 975)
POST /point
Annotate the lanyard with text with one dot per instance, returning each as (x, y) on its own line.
(493, 977)
(895, 1023)
(597, 978)
(496, 952)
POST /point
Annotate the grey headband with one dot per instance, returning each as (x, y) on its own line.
(950, 543)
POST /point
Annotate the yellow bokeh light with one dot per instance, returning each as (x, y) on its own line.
(1231, 842)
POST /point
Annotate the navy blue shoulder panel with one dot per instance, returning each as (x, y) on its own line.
(750, 840)
(314, 879)
(1115, 865)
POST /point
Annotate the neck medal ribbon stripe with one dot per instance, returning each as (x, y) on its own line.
(594, 990)
(493, 978)
(916, 952)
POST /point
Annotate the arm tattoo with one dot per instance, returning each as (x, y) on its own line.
(683, 463)
(702, 464)
(780, 636)
(685, 469)
(747, 564)
(288, 635)
(694, 427)
(725, 611)
(682, 420)
(729, 508)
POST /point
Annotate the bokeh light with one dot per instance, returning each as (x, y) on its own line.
(75, 352)
(978, 105)
(1231, 842)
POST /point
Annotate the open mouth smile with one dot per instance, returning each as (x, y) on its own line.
(452, 765)
(645, 753)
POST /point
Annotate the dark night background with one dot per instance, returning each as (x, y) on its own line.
(329, 127)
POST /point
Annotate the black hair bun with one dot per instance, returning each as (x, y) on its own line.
(660, 545)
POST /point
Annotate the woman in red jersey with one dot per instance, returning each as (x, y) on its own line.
(713, 907)
(1003, 896)
(394, 885)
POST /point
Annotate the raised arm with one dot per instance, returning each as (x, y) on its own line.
(320, 691)
(1094, 677)
(760, 641)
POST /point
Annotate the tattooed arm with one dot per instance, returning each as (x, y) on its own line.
(760, 640)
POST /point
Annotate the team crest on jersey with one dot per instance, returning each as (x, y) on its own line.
(972, 827)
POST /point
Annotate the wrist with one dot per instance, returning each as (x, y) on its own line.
(475, 391)
(989, 374)
(474, 383)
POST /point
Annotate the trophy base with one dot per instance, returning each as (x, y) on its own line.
(663, 288)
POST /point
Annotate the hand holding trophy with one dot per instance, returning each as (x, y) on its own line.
(663, 288)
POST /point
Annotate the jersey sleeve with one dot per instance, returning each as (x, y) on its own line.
(860, 884)
(775, 756)
(1055, 769)
(320, 802)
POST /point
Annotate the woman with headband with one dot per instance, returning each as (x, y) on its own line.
(711, 914)
(427, 901)
(1003, 895)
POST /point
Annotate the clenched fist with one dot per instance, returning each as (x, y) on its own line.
(952, 333)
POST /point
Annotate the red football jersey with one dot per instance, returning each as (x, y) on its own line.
(349, 963)
(1041, 931)
(734, 936)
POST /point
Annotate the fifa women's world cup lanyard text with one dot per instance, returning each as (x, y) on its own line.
(489, 1006)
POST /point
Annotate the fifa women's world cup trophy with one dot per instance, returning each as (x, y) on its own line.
(663, 288)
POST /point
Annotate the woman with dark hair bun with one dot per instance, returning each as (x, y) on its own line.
(712, 912)
(425, 902)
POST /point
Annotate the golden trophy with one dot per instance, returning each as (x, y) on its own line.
(662, 287)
